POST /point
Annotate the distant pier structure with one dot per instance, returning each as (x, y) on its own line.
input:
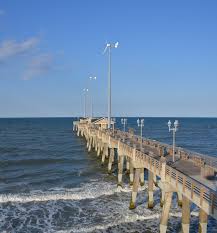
(192, 176)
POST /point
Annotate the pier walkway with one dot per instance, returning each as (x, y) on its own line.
(192, 176)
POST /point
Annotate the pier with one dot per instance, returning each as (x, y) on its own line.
(191, 176)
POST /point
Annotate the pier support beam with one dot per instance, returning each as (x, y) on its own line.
(135, 188)
(165, 212)
(179, 199)
(90, 144)
(99, 148)
(104, 153)
(111, 160)
(185, 214)
(120, 169)
(95, 144)
(150, 189)
(142, 182)
(203, 221)
(127, 166)
(88, 141)
(162, 199)
(131, 173)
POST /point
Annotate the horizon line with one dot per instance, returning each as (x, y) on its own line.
(30, 117)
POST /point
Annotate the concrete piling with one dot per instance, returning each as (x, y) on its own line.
(135, 188)
(127, 166)
(131, 173)
(111, 160)
(104, 153)
(150, 189)
(185, 214)
(120, 169)
(165, 212)
(142, 177)
(179, 198)
(162, 199)
(203, 218)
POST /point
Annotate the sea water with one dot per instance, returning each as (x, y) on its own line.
(50, 183)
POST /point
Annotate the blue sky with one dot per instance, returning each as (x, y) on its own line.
(166, 64)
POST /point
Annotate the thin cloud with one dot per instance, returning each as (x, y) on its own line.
(38, 66)
(12, 48)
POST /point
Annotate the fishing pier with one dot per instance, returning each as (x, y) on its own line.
(191, 176)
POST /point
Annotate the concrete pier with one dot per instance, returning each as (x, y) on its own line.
(191, 176)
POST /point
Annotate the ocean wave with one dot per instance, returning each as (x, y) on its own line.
(127, 219)
(87, 191)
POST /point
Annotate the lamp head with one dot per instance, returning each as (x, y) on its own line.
(176, 124)
(138, 122)
(169, 124)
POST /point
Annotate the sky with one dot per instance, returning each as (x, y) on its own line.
(165, 65)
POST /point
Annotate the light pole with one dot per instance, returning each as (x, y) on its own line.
(124, 122)
(114, 121)
(91, 97)
(109, 46)
(174, 129)
(85, 90)
(140, 123)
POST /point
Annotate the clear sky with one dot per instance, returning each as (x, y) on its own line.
(166, 64)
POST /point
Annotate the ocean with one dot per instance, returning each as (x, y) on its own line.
(50, 183)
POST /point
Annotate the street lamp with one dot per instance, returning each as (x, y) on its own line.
(124, 122)
(91, 97)
(85, 90)
(140, 123)
(174, 129)
(109, 46)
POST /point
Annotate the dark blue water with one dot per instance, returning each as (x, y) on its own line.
(49, 183)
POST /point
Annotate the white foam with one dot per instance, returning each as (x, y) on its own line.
(127, 219)
(88, 191)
